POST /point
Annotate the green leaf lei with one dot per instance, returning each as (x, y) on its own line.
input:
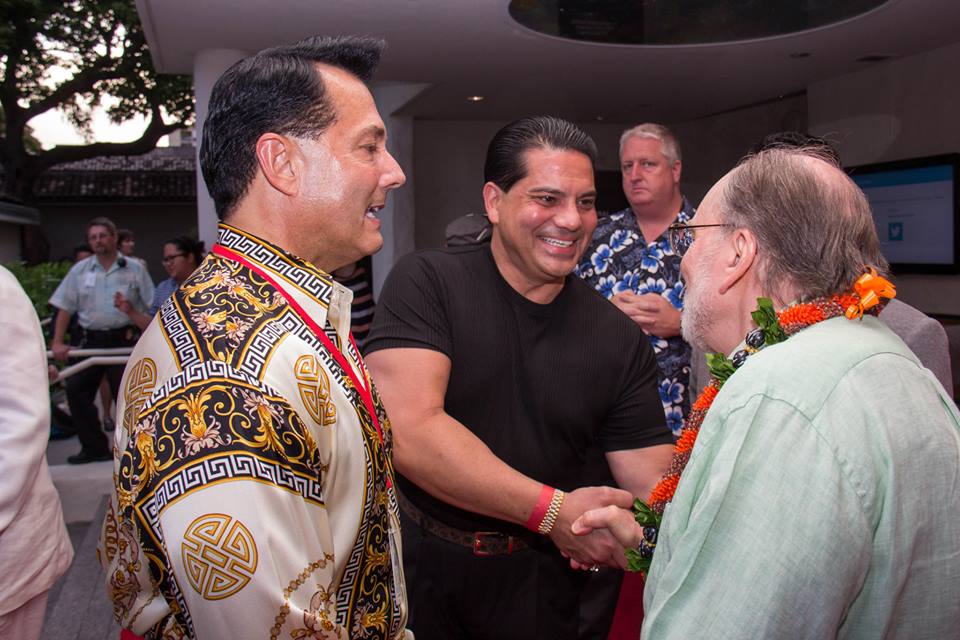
(765, 317)
(721, 367)
(646, 518)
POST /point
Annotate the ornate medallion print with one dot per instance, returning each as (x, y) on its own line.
(316, 619)
(219, 555)
(141, 381)
(119, 539)
(314, 386)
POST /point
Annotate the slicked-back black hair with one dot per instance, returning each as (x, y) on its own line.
(505, 164)
(276, 90)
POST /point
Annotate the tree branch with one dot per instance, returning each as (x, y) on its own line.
(79, 29)
(155, 130)
(79, 83)
(13, 61)
(8, 88)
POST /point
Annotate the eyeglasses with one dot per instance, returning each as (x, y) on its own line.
(681, 235)
(169, 259)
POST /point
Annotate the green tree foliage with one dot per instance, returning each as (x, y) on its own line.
(39, 281)
(70, 56)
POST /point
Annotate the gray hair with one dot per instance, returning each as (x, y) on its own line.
(813, 225)
(669, 144)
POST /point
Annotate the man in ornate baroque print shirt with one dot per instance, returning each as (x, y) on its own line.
(254, 492)
(630, 260)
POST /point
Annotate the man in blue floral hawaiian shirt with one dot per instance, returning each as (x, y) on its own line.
(630, 260)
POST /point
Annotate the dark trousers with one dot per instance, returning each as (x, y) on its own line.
(454, 595)
(82, 390)
(599, 602)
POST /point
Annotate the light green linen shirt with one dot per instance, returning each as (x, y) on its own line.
(821, 500)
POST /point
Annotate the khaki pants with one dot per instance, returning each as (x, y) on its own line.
(26, 622)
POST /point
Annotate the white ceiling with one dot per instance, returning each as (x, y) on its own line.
(473, 47)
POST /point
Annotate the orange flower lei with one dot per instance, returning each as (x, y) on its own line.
(791, 320)
(773, 327)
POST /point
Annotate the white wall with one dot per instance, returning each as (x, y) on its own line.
(712, 146)
(891, 111)
(208, 66)
(398, 216)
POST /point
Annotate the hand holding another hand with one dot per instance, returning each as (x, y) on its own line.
(618, 522)
(589, 549)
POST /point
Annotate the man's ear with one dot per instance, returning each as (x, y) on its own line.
(740, 255)
(276, 156)
(492, 195)
(677, 169)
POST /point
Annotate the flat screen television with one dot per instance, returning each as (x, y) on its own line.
(916, 211)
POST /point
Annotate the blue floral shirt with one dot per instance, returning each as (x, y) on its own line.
(620, 259)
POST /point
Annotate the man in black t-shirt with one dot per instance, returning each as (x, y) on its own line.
(501, 373)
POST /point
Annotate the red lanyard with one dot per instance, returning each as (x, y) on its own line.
(363, 389)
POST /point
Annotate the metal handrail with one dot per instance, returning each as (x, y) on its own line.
(83, 353)
(94, 358)
(89, 362)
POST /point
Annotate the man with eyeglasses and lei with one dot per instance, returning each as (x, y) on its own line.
(254, 480)
(814, 491)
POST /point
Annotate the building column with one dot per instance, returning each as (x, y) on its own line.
(208, 66)
(397, 218)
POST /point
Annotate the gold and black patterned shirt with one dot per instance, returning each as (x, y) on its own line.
(254, 491)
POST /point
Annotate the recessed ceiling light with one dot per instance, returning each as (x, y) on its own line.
(475, 98)
(799, 54)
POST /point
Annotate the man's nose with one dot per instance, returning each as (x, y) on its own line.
(568, 217)
(393, 175)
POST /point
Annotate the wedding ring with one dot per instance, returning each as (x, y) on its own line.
(594, 568)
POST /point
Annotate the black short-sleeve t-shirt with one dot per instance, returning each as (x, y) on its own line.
(543, 385)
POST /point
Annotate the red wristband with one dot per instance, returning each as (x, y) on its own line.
(540, 509)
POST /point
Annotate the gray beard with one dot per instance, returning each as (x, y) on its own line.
(697, 318)
(692, 332)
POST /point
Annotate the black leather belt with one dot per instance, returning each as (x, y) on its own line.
(119, 331)
(483, 543)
